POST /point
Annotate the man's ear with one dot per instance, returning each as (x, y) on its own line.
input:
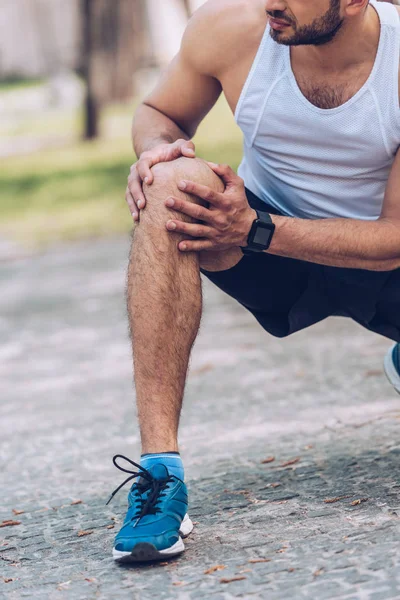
(355, 7)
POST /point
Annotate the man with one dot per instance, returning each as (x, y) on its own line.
(309, 228)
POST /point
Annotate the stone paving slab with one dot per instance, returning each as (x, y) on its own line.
(318, 403)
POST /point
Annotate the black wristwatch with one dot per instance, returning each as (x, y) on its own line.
(261, 234)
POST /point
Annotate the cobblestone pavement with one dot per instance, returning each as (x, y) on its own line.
(317, 402)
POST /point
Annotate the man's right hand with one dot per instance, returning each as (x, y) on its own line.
(141, 171)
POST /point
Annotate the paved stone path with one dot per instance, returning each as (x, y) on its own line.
(317, 402)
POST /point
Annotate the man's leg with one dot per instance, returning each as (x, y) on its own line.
(164, 305)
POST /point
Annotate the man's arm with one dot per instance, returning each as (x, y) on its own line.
(188, 89)
(170, 115)
(371, 245)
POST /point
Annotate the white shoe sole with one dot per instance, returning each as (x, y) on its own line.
(186, 527)
(390, 370)
(144, 551)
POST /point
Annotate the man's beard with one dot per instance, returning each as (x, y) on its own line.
(319, 32)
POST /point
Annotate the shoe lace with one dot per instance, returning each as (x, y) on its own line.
(156, 486)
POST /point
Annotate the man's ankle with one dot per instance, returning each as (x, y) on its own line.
(171, 460)
(151, 448)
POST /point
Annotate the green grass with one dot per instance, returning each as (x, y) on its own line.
(18, 83)
(78, 191)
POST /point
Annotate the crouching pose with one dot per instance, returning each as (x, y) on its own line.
(310, 226)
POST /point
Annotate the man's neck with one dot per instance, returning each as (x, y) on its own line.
(355, 43)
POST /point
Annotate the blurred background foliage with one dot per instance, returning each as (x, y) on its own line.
(67, 96)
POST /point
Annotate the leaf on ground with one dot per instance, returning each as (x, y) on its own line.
(110, 526)
(178, 583)
(63, 586)
(91, 579)
(225, 580)
(337, 499)
(293, 461)
(308, 447)
(275, 485)
(259, 560)
(244, 571)
(282, 550)
(9, 523)
(318, 572)
(238, 492)
(213, 569)
(76, 502)
(17, 512)
(373, 373)
(359, 501)
(82, 533)
(270, 459)
(8, 579)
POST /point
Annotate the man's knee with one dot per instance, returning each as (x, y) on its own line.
(194, 169)
(166, 178)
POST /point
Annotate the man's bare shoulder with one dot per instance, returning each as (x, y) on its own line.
(221, 31)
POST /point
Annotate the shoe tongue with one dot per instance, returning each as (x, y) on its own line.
(159, 471)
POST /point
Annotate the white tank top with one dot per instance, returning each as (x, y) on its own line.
(310, 162)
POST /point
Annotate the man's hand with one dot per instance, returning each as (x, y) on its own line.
(226, 222)
(141, 171)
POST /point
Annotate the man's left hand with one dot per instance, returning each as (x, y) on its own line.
(226, 222)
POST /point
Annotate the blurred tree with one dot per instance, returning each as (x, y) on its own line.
(91, 101)
(114, 39)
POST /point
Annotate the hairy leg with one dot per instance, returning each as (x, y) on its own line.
(164, 305)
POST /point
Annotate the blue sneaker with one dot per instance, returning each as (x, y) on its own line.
(392, 366)
(156, 519)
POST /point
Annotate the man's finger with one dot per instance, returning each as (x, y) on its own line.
(188, 152)
(143, 168)
(189, 208)
(188, 149)
(193, 229)
(135, 189)
(227, 174)
(201, 191)
(195, 245)
(132, 205)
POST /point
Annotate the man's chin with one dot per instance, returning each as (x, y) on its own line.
(281, 37)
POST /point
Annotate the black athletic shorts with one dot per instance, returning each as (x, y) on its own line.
(286, 295)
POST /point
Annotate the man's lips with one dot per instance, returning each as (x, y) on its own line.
(277, 23)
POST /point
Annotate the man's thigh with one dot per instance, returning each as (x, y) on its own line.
(277, 291)
(284, 294)
(371, 298)
(388, 307)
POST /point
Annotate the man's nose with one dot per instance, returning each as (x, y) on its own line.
(271, 5)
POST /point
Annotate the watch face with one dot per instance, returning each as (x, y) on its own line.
(262, 236)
